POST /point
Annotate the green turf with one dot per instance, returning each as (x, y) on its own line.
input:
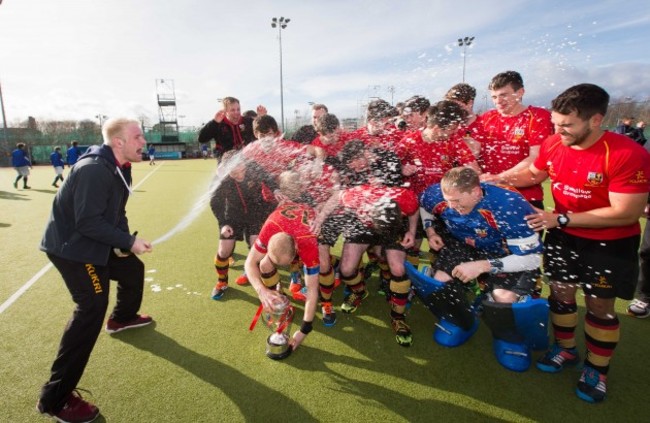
(199, 363)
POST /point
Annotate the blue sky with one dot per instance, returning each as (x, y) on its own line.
(74, 59)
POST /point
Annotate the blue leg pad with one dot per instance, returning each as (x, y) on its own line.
(449, 335)
(512, 356)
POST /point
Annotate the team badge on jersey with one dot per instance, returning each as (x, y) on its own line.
(481, 233)
(518, 133)
(595, 178)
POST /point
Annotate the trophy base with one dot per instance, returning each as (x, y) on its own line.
(277, 351)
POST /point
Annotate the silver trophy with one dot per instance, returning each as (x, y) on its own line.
(278, 320)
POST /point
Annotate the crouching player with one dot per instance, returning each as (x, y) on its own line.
(480, 230)
(285, 234)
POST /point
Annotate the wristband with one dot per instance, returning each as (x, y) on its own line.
(496, 266)
(306, 327)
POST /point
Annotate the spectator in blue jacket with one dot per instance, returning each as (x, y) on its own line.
(57, 161)
(21, 163)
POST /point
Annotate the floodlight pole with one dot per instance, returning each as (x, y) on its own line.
(464, 42)
(4, 117)
(281, 24)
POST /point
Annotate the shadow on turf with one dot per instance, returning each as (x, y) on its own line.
(8, 195)
(237, 386)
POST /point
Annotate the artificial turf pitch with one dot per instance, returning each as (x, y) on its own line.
(200, 363)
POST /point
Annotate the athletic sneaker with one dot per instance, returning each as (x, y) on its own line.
(638, 308)
(26, 187)
(298, 292)
(556, 358)
(329, 315)
(353, 300)
(140, 320)
(403, 334)
(592, 385)
(384, 286)
(218, 290)
(75, 410)
(242, 280)
(369, 269)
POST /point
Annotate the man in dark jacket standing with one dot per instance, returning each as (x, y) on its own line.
(87, 238)
(229, 129)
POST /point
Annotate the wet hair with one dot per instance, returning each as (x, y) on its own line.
(445, 113)
(417, 103)
(380, 109)
(463, 179)
(252, 114)
(327, 124)
(351, 150)
(320, 106)
(506, 78)
(227, 101)
(586, 100)
(461, 92)
(265, 124)
(290, 184)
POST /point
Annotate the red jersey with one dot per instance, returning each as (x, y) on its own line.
(582, 179)
(433, 159)
(387, 139)
(473, 133)
(294, 219)
(274, 156)
(363, 199)
(508, 141)
(332, 150)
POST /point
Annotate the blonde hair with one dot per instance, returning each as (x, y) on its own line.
(114, 128)
(462, 179)
(290, 183)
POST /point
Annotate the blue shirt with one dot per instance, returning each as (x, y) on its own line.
(496, 224)
(19, 158)
(56, 159)
(72, 155)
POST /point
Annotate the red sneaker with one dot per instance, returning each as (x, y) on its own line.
(75, 410)
(242, 280)
(140, 320)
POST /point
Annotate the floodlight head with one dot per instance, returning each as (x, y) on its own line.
(287, 20)
(273, 25)
(460, 42)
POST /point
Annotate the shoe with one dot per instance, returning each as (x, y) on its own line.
(556, 358)
(353, 300)
(140, 320)
(55, 185)
(592, 385)
(300, 294)
(384, 287)
(512, 355)
(329, 315)
(26, 187)
(403, 334)
(639, 309)
(75, 410)
(218, 290)
(369, 269)
(241, 280)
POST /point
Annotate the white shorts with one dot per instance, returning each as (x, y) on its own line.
(58, 170)
(22, 170)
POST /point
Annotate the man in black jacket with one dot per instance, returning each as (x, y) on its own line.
(87, 238)
(229, 129)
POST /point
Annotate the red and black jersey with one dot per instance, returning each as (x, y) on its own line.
(581, 180)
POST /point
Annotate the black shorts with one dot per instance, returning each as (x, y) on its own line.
(358, 233)
(604, 269)
(245, 229)
(456, 252)
(333, 226)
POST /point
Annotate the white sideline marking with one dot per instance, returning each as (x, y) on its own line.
(48, 266)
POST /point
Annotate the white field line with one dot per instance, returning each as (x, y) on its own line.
(48, 266)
